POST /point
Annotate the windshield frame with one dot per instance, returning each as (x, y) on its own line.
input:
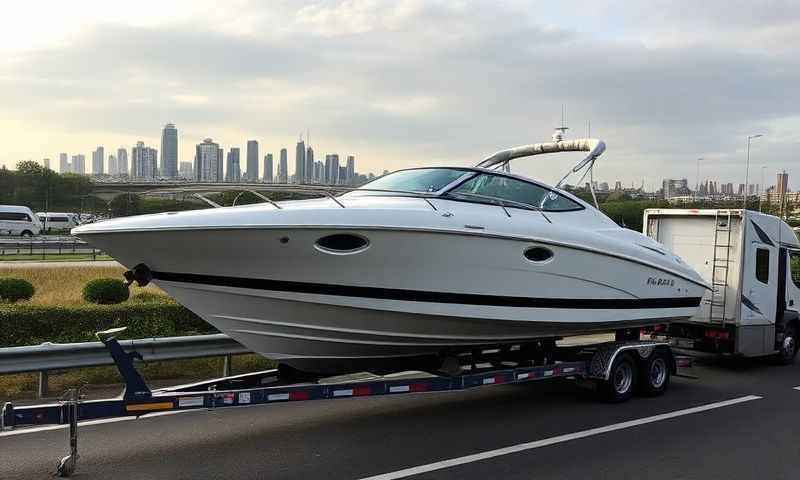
(467, 174)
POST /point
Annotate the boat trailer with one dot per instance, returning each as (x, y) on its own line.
(593, 364)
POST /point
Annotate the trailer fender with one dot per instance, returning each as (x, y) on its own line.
(603, 358)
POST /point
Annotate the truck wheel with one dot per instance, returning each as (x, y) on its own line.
(788, 347)
(26, 234)
(621, 381)
(655, 374)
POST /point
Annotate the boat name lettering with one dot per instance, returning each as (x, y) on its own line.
(660, 282)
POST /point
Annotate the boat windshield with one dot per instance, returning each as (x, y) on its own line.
(425, 180)
(491, 188)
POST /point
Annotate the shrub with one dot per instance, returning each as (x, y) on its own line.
(15, 289)
(105, 291)
(27, 324)
(149, 297)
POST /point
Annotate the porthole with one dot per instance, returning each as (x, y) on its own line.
(538, 254)
(342, 243)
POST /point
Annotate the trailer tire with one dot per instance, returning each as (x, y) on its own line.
(655, 372)
(622, 379)
(787, 350)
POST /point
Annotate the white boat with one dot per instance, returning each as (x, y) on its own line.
(418, 263)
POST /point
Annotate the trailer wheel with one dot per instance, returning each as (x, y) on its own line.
(655, 374)
(788, 347)
(621, 382)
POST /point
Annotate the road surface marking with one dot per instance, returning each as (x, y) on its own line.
(408, 472)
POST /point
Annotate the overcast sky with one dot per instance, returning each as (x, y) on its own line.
(405, 83)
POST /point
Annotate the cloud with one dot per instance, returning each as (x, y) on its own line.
(411, 82)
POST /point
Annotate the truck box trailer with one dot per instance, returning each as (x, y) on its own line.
(752, 260)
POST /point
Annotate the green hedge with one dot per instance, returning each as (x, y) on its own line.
(24, 324)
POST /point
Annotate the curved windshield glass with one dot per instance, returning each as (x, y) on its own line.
(493, 188)
(417, 180)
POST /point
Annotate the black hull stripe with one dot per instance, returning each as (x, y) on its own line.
(427, 296)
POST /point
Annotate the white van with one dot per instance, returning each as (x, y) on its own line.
(753, 262)
(18, 220)
(58, 221)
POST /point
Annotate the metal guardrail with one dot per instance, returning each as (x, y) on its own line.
(59, 356)
(46, 246)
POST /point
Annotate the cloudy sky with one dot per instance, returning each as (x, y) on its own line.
(410, 82)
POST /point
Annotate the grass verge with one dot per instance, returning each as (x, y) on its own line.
(24, 385)
(64, 257)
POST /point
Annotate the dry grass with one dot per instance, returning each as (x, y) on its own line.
(64, 285)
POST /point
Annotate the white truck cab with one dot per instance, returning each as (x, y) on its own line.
(18, 220)
(753, 262)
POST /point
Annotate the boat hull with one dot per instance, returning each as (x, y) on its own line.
(410, 293)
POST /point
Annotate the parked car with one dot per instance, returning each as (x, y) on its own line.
(18, 220)
(58, 221)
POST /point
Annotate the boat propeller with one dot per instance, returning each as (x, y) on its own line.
(140, 274)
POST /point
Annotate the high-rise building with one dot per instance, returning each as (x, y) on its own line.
(220, 156)
(251, 175)
(783, 184)
(79, 164)
(300, 162)
(98, 159)
(233, 171)
(144, 162)
(332, 169)
(283, 174)
(113, 169)
(46, 163)
(310, 178)
(185, 170)
(675, 187)
(63, 163)
(351, 169)
(122, 161)
(169, 151)
(268, 175)
(207, 161)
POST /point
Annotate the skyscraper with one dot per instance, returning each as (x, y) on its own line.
(207, 161)
(79, 164)
(185, 170)
(122, 161)
(268, 175)
(98, 159)
(783, 184)
(63, 163)
(332, 169)
(144, 162)
(300, 162)
(251, 175)
(310, 178)
(233, 172)
(220, 156)
(46, 162)
(169, 151)
(284, 167)
(351, 169)
(113, 169)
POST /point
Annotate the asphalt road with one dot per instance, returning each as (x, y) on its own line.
(557, 431)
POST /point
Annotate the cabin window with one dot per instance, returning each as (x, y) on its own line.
(762, 265)
(342, 243)
(794, 268)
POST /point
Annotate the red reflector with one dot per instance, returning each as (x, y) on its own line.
(360, 391)
(418, 387)
(299, 395)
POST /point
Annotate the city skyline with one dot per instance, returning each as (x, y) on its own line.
(411, 83)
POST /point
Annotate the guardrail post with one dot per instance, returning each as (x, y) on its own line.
(227, 366)
(43, 378)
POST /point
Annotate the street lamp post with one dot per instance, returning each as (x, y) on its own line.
(761, 187)
(747, 168)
